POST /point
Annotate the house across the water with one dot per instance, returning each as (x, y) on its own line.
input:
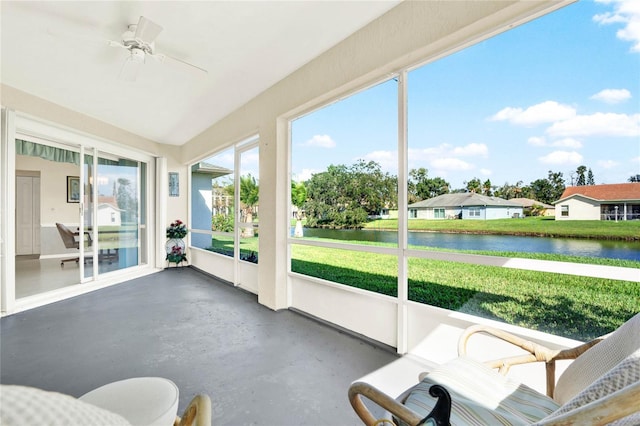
(618, 201)
(465, 206)
(530, 206)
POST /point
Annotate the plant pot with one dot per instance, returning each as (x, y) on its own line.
(176, 250)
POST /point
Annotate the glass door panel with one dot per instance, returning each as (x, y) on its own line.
(47, 192)
(88, 208)
(117, 212)
(248, 197)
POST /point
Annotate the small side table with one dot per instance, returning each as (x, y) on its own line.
(140, 400)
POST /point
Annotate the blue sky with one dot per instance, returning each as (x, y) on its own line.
(556, 93)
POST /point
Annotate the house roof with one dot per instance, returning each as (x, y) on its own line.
(105, 201)
(210, 169)
(610, 192)
(528, 202)
(467, 199)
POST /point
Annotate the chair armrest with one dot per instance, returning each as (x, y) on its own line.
(615, 406)
(359, 389)
(197, 413)
(536, 352)
(89, 240)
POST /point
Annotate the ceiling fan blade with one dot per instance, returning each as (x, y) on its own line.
(82, 38)
(113, 43)
(147, 30)
(161, 57)
(130, 69)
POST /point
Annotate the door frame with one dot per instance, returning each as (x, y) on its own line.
(23, 126)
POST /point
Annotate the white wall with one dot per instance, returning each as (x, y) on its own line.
(579, 209)
(53, 189)
(53, 201)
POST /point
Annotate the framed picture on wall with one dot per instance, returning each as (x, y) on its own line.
(174, 184)
(73, 189)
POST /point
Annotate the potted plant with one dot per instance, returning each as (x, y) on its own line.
(175, 247)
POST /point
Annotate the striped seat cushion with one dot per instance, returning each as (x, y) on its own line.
(480, 396)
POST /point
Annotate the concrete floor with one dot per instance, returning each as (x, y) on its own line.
(259, 367)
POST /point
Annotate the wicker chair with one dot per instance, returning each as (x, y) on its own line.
(601, 385)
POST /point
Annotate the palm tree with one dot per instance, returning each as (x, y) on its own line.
(249, 191)
(298, 198)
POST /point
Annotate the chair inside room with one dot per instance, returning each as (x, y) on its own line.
(600, 386)
(72, 240)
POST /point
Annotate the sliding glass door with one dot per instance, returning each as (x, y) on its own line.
(88, 215)
(113, 212)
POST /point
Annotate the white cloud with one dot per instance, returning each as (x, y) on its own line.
(598, 124)
(635, 160)
(545, 112)
(447, 150)
(450, 164)
(537, 141)
(486, 172)
(561, 158)
(305, 175)
(560, 143)
(472, 149)
(321, 141)
(607, 164)
(567, 143)
(627, 13)
(446, 157)
(388, 160)
(612, 96)
(507, 113)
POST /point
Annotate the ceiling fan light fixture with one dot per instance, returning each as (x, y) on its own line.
(137, 55)
(132, 65)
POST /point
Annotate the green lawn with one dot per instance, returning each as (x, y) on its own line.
(533, 226)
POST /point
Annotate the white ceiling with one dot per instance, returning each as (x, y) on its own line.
(53, 50)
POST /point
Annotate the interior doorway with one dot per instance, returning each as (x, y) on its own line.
(27, 213)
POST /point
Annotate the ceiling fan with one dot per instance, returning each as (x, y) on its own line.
(139, 40)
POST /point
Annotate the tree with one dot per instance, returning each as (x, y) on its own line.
(508, 191)
(298, 199)
(249, 192)
(370, 188)
(421, 187)
(474, 185)
(548, 190)
(581, 178)
(634, 178)
(126, 201)
(486, 188)
(343, 197)
(590, 179)
(536, 210)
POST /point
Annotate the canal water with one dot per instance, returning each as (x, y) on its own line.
(567, 246)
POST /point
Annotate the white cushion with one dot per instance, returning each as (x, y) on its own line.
(22, 405)
(142, 400)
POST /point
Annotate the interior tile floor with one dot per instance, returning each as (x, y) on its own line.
(259, 367)
(35, 276)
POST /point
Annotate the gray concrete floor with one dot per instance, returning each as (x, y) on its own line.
(259, 367)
